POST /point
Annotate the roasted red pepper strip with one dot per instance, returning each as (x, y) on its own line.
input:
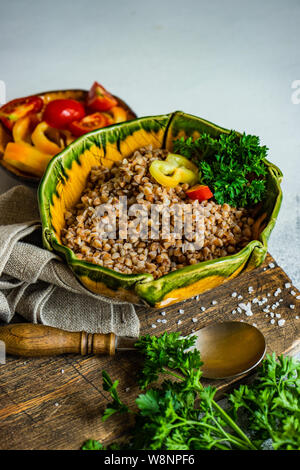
(16, 109)
(200, 192)
(100, 99)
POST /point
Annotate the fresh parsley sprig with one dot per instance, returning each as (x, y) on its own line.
(231, 165)
(180, 413)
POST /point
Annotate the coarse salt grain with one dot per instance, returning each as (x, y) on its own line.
(287, 285)
(272, 321)
(293, 292)
(281, 322)
(292, 306)
(179, 322)
(271, 265)
(153, 326)
(163, 313)
(194, 320)
(277, 315)
(234, 294)
(233, 312)
(203, 309)
(181, 311)
(164, 321)
(240, 297)
(214, 302)
(247, 309)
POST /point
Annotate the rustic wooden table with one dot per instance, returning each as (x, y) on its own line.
(57, 402)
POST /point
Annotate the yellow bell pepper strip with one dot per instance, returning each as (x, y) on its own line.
(26, 158)
(42, 142)
(23, 128)
(119, 114)
(174, 170)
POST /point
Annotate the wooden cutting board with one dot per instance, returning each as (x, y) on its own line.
(57, 402)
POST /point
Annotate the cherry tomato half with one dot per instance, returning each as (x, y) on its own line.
(19, 108)
(88, 124)
(100, 99)
(60, 113)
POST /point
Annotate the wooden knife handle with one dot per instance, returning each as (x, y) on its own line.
(26, 339)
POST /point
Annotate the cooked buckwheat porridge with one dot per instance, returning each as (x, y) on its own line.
(225, 229)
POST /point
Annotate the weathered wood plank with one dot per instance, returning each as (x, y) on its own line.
(57, 402)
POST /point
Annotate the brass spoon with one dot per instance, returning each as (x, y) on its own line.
(227, 349)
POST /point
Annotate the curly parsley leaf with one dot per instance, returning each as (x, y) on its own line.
(232, 166)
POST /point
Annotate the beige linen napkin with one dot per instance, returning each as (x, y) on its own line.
(38, 285)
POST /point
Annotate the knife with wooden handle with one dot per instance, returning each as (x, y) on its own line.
(26, 339)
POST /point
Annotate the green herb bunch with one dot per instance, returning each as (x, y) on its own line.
(231, 165)
(182, 414)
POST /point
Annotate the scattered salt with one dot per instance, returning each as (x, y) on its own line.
(247, 309)
(164, 321)
(214, 302)
(287, 285)
(181, 311)
(163, 313)
(271, 265)
(233, 312)
(293, 292)
(153, 326)
(281, 322)
(234, 294)
(194, 320)
(292, 306)
(203, 309)
(179, 322)
(240, 297)
(272, 321)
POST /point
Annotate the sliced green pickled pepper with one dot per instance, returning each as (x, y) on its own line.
(174, 170)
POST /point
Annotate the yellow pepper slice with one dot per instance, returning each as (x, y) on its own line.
(42, 142)
(26, 157)
(119, 114)
(174, 170)
(22, 129)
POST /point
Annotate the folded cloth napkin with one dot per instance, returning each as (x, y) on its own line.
(36, 284)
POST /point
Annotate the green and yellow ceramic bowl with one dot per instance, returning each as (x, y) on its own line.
(65, 179)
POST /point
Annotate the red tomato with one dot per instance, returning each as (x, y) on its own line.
(19, 108)
(200, 192)
(100, 99)
(60, 113)
(88, 124)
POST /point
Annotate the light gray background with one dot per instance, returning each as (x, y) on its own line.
(232, 62)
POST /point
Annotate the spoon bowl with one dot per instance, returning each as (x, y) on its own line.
(229, 349)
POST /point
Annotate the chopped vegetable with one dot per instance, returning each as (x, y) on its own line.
(42, 142)
(100, 99)
(119, 114)
(232, 166)
(26, 158)
(23, 128)
(182, 414)
(60, 113)
(199, 192)
(17, 109)
(173, 171)
(88, 123)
